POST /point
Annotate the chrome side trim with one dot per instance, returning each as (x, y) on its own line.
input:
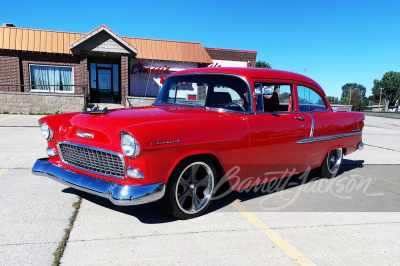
(327, 137)
(93, 148)
(312, 126)
(117, 194)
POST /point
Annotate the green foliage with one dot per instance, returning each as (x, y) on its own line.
(356, 100)
(332, 100)
(5, 112)
(352, 86)
(372, 100)
(390, 84)
(364, 104)
(263, 64)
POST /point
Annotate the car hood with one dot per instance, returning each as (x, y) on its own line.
(105, 127)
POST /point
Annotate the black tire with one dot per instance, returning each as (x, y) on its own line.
(331, 164)
(189, 191)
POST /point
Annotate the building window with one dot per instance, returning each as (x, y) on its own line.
(51, 78)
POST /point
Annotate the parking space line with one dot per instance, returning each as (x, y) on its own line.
(8, 117)
(3, 171)
(278, 240)
(379, 178)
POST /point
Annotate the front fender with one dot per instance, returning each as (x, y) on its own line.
(164, 144)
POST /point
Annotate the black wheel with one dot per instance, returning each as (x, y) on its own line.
(331, 164)
(190, 188)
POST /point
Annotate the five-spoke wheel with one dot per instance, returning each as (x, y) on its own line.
(191, 188)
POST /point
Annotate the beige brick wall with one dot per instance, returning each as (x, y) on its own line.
(34, 103)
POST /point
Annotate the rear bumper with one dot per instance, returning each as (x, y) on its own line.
(117, 194)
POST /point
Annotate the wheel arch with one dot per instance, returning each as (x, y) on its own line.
(333, 148)
(212, 156)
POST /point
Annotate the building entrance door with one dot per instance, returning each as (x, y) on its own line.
(104, 83)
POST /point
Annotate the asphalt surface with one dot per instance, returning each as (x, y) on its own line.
(353, 219)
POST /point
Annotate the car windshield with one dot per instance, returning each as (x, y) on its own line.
(205, 90)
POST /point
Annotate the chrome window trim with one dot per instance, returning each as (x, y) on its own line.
(219, 109)
(93, 148)
(327, 137)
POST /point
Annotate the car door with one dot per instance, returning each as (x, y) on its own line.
(274, 132)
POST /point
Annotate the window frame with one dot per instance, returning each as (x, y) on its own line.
(48, 90)
(277, 82)
(311, 87)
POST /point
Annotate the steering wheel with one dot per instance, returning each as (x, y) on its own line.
(234, 103)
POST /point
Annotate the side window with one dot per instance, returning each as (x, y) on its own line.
(229, 96)
(273, 97)
(309, 100)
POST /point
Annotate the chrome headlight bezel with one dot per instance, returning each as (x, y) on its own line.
(46, 131)
(129, 146)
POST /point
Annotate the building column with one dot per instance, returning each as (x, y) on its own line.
(82, 75)
(124, 79)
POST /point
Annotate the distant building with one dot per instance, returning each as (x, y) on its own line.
(100, 65)
(341, 107)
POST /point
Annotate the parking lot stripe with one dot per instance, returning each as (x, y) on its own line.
(2, 171)
(379, 178)
(8, 117)
(277, 239)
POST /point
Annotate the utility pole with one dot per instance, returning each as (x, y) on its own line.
(380, 96)
(350, 97)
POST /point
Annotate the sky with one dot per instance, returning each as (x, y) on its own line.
(334, 42)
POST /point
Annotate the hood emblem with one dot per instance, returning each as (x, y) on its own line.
(166, 142)
(85, 135)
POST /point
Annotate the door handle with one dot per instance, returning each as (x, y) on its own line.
(301, 118)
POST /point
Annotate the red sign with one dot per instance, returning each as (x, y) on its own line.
(142, 68)
(344, 108)
(214, 65)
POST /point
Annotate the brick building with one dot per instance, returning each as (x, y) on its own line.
(101, 66)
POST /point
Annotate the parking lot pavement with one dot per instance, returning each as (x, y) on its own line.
(381, 139)
(352, 219)
(33, 215)
(34, 210)
(21, 141)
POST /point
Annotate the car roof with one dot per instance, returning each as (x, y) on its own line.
(250, 72)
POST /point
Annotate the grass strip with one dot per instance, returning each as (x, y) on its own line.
(63, 244)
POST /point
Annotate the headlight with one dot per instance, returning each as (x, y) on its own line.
(129, 145)
(47, 133)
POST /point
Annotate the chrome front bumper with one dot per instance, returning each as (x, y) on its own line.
(117, 194)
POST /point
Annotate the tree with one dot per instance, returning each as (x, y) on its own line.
(390, 84)
(262, 64)
(356, 99)
(372, 100)
(332, 100)
(356, 86)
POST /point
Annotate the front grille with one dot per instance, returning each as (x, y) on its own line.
(93, 160)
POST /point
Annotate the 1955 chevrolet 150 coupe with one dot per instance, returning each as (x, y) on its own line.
(267, 124)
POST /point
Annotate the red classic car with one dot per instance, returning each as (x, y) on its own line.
(264, 123)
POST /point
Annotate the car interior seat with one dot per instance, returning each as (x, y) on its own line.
(272, 104)
(220, 99)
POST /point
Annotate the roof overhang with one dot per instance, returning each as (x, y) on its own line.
(75, 47)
